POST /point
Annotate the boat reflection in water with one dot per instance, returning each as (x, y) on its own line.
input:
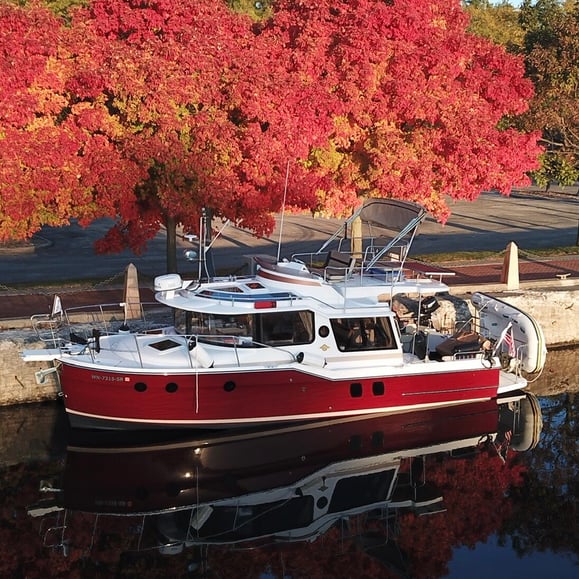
(289, 484)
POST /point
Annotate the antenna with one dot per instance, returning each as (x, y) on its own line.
(283, 210)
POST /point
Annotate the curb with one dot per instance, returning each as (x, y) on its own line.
(27, 246)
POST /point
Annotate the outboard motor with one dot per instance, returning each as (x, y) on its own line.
(427, 307)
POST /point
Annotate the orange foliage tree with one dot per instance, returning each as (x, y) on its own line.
(148, 111)
(425, 106)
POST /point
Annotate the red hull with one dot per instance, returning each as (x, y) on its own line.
(124, 400)
(232, 465)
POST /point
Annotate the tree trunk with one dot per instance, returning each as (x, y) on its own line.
(171, 244)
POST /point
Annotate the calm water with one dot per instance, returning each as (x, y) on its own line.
(474, 491)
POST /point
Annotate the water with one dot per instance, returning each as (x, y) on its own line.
(474, 491)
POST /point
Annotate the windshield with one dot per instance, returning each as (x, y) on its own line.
(268, 328)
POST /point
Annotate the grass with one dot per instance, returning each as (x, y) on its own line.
(97, 283)
(483, 255)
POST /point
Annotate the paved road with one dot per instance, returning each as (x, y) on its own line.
(488, 223)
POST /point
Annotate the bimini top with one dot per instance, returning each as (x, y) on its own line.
(400, 218)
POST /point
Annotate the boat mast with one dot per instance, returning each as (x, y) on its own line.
(283, 210)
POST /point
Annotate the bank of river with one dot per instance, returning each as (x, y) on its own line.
(560, 374)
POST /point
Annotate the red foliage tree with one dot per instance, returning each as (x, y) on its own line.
(148, 111)
(193, 106)
(217, 114)
(423, 103)
(58, 149)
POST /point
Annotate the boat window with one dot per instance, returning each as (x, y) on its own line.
(231, 290)
(358, 491)
(235, 523)
(269, 328)
(285, 328)
(164, 345)
(363, 333)
(214, 325)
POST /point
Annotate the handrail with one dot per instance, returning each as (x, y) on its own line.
(143, 339)
(97, 316)
(222, 339)
(369, 262)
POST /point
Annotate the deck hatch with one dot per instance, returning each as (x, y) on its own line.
(164, 345)
(241, 297)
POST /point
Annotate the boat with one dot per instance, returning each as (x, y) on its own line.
(313, 337)
(285, 484)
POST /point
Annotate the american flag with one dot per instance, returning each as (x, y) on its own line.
(502, 447)
(510, 342)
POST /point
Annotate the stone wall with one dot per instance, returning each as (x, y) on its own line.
(32, 432)
(17, 379)
(556, 311)
(560, 375)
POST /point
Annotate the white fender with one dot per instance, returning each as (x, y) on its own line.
(311, 360)
(201, 357)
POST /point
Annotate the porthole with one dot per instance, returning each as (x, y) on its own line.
(355, 442)
(355, 390)
(229, 386)
(171, 387)
(377, 439)
(324, 331)
(140, 386)
(378, 388)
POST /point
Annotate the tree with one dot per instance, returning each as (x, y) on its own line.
(40, 173)
(52, 153)
(497, 22)
(552, 60)
(199, 106)
(423, 103)
(161, 108)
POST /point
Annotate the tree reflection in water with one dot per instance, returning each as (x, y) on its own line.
(545, 506)
(441, 500)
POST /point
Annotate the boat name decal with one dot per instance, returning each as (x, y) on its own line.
(102, 378)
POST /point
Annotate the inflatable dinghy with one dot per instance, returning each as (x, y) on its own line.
(529, 340)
